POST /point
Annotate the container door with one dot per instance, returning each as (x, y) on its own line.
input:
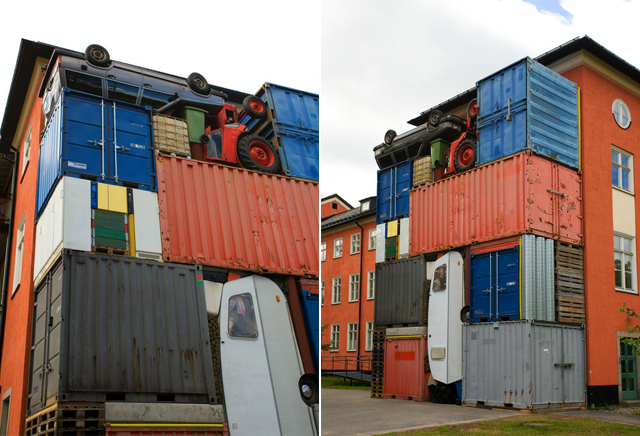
(508, 283)
(83, 150)
(628, 372)
(386, 183)
(53, 346)
(403, 185)
(40, 327)
(299, 154)
(311, 314)
(131, 156)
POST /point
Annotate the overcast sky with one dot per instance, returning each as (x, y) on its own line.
(237, 45)
(384, 62)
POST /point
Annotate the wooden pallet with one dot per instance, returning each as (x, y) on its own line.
(109, 250)
(569, 282)
(426, 289)
(377, 363)
(77, 419)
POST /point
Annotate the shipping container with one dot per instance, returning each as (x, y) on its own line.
(394, 187)
(67, 220)
(166, 430)
(528, 106)
(406, 365)
(238, 219)
(520, 194)
(400, 293)
(99, 139)
(311, 313)
(524, 365)
(538, 280)
(115, 328)
(292, 126)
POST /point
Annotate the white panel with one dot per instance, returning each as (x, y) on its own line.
(624, 212)
(404, 238)
(77, 214)
(380, 246)
(212, 296)
(147, 222)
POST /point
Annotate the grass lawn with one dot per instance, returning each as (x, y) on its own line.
(340, 383)
(543, 424)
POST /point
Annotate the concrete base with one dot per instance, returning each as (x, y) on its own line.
(163, 412)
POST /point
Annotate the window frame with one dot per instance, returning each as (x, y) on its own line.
(337, 247)
(321, 292)
(352, 343)
(622, 105)
(354, 247)
(17, 266)
(368, 344)
(323, 251)
(354, 291)
(26, 149)
(334, 345)
(371, 285)
(622, 168)
(336, 284)
(372, 238)
(632, 255)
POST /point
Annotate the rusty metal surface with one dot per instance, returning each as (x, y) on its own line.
(232, 218)
(404, 368)
(520, 194)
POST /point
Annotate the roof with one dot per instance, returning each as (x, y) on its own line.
(336, 197)
(349, 216)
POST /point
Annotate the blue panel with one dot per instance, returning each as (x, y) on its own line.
(311, 314)
(94, 195)
(299, 154)
(293, 108)
(495, 285)
(384, 195)
(404, 182)
(393, 192)
(49, 158)
(528, 106)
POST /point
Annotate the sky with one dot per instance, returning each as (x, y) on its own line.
(385, 62)
(236, 45)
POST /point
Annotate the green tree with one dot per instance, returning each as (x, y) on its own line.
(324, 346)
(635, 342)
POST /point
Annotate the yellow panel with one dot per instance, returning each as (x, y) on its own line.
(118, 199)
(103, 196)
(392, 228)
(132, 236)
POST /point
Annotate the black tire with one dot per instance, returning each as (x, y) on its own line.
(448, 394)
(308, 388)
(198, 84)
(256, 153)
(472, 109)
(465, 155)
(434, 118)
(389, 136)
(97, 55)
(254, 107)
(465, 314)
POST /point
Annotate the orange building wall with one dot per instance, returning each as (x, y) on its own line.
(328, 210)
(599, 132)
(14, 372)
(346, 312)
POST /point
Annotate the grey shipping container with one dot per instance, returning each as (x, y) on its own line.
(400, 293)
(524, 365)
(115, 328)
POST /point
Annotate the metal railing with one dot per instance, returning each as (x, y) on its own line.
(347, 367)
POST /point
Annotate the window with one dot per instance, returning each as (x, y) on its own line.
(321, 292)
(355, 243)
(4, 412)
(26, 150)
(84, 83)
(369, 342)
(323, 252)
(242, 319)
(335, 337)
(624, 264)
(621, 169)
(372, 239)
(337, 287)
(17, 267)
(440, 278)
(154, 99)
(352, 340)
(122, 92)
(371, 285)
(354, 287)
(337, 248)
(621, 113)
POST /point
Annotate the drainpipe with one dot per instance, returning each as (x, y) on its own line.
(7, 256)
(359, 297)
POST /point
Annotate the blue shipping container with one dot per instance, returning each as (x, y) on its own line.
(495, 285)
(528, 106)
(394, 187)
(98, 139)
(293, 122)
(311, 314)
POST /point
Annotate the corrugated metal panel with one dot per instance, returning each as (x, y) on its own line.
(311, 313)
(400, 293)
(167, 431)
(538, 282)
(394, 187)
(404, 369)
(528, 106)
(525, 365)
(49, 157)
(122, 326)
(232, 218)
(520, 194)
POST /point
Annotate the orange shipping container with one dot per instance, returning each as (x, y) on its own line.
(405, 377)
(520, 194)
(238, 219)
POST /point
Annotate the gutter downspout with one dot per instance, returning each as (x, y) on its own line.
(7, 256)
(359, 297)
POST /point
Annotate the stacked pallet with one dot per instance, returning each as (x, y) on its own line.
(214, 341)
(377, 363)
(69, 419)
(569, 271)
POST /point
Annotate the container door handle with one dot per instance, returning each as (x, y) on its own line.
(509, 109)
(565, 365)
(562, 194)
(102, 138)
(115, 143)
(497, 281)
(490, 287)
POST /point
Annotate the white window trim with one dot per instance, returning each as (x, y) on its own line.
(634, 276)
(630, 156)
(334, 346)
(372, 238)
(321, 292)
(368, 344)
(352, 345)
(355, 237)
(323, 251)
(334, 299)
(335, 248)
(371, 290)
(17, 267)
(613, 111)
(357, 287)
(26, 150)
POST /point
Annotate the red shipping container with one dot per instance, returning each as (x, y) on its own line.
(404, 368)
(164, 430)
(238, 219)
(520, 194)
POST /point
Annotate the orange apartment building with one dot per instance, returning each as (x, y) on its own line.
(347, 280)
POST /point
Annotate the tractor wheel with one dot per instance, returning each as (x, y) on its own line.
(198, 84)
(254, 107)
(434, 118)
(472, 109)
(256, 153)
(97, 55)
(465, 155)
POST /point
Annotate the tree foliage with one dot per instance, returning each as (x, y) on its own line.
(323, 346)
(635, 342)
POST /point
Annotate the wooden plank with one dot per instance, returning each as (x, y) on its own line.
(571, 285)
(571, 275)
(571, 300)
(564, 309)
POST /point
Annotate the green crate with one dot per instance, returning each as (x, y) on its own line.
(391, 242)
(438, 147)
(195, 122)
(110, 233)
(109, 242)
(109, 220)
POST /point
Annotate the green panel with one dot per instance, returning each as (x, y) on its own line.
(438, 147)
(111, 243)
(109, 233)
(109, 220)
(391, 242)
(195, 122)
(628, 372)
